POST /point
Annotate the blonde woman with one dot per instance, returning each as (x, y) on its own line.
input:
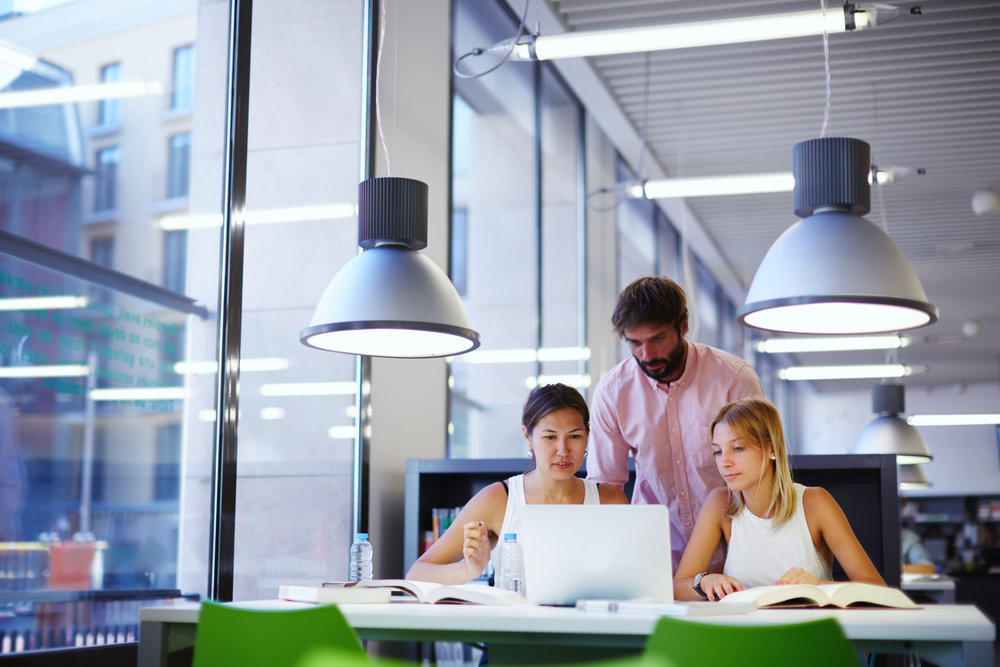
(777, 532)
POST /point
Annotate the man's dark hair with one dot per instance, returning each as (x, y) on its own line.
(652, 301)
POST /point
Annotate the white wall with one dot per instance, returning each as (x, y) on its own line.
(966, 458)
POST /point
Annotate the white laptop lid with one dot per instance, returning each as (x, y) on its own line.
(615, 552)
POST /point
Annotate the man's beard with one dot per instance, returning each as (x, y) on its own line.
(670, 365)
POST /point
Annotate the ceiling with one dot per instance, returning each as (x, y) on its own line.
(924, 91)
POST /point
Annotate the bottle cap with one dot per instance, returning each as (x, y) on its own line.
(510, 536)
(361, 536)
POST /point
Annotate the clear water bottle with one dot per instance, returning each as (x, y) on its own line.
(511, 574)
(361, 558)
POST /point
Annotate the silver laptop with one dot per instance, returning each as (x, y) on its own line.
(614, 552)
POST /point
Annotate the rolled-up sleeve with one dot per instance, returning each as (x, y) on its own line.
(608, 459)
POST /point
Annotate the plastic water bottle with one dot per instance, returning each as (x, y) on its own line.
(511, 574)
(361, 559)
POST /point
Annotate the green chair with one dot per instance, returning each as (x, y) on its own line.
(819, 643)
(247, 637)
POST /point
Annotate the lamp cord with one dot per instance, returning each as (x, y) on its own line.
(378, 79)
(479, 51)
(826, 62)
(878, 150)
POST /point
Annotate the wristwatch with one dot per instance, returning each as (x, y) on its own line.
(696, 585)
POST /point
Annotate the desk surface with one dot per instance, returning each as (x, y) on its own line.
(948, 623)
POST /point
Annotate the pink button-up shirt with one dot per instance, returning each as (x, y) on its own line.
(665, 428)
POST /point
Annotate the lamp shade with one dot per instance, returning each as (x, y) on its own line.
(913, 477)
(889, 434)
(834, 272)
(391, 301)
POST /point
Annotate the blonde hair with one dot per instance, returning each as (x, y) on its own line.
(757, 424)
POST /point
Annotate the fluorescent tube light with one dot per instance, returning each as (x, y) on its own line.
(272, 413)
(206, 415)
(310, 389)
(345, 432)
(714, 186)
(261, 217)
(66, 94)
(44, 303)
(833, 344)
(144, 394)
(54, 371)
(570, 380)
(846, 372)
(953, 420)
(206, 367)
(521, 356)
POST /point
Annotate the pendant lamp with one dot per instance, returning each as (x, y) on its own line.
(835, 272)
(390, 300)
(913, 477)
(890, 434)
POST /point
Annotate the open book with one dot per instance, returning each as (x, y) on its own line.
(379, 590)
(837, 595)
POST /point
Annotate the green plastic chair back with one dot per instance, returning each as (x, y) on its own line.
(249, 637)
(819, 643)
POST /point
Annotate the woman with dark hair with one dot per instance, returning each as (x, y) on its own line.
(555, 424)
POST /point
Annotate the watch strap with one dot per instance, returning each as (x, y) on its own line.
(696, 585)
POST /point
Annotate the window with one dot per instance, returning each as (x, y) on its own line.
(111, 110)
(179, 166)
(183, 91)
(102, 252)
(516, 198)
(106, 180)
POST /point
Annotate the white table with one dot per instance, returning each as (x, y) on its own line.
(944, 634)
(941, 590)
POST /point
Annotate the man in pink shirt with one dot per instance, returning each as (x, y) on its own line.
(657, 407)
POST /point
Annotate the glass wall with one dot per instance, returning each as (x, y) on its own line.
(516, 196)
(95, 354)
(297, 422)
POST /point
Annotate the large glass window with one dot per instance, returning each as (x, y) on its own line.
(111, 109)
(98, 438)
(298, 405)
(515, 195)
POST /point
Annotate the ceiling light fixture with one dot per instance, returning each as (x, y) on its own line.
(390, 300)
(206, 367)
(848, 372)
(954, 420)
(702, 33)
(834, 344)
(145, 394)
(44, 303)
(985, 201)
(889, 434)
(713, 186)
(53, 371)
(835, 272)
(309, 389)
(39, 97)
(525, 356)
(262, 216)
(569, 380)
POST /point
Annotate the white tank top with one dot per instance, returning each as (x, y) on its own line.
(516, 501)
(760, 553)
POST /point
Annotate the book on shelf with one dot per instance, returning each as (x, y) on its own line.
(835, 595)
(657, 608)
(431, 593)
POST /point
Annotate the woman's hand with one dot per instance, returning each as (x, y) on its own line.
(475, 548)
(797, 575)
(718, 586)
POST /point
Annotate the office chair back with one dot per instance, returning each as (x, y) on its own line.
(229, 636)
(819, 643)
